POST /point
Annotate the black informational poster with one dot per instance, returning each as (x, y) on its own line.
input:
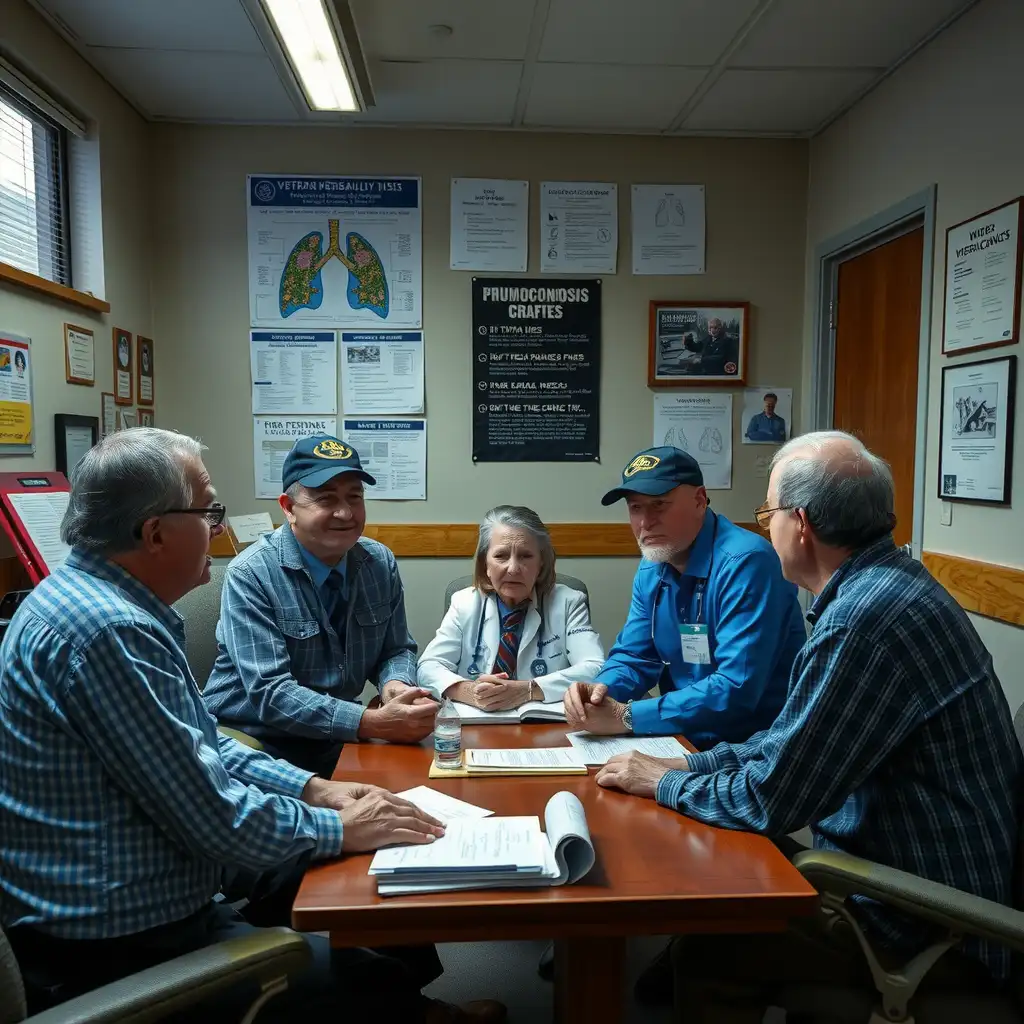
(536, 369)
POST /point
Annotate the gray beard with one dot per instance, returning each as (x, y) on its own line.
(658, 554)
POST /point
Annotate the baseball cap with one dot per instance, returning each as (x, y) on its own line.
(655, 471)
(315, 460)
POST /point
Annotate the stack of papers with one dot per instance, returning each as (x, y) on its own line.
(593, 749)
(486, 853)
(526, 761)
(534, 710)
(442, 806)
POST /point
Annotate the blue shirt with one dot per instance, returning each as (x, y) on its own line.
(733, 584)
(320, 573)
(120, 803)
(895, 744)
(766, 428)
(282, 666)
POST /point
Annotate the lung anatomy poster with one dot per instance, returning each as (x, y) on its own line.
(339, 252)
(536, 369)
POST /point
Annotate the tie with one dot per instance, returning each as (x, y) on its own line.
(334, 602)
(508, 646)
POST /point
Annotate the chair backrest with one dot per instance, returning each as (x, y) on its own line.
(1018, 725)
(200, 608)
(13, 1008)
(461, 582)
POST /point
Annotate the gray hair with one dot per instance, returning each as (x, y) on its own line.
(129, 477)
(516, 517)
(846, 491)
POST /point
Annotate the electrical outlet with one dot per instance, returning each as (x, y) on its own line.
(946, 513)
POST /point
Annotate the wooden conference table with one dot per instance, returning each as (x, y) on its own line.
(657, 872)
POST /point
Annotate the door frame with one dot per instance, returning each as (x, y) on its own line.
(915, 211)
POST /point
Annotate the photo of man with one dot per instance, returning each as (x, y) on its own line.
(767, 415)
(694, 344)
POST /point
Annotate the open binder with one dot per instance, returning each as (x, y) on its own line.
(32, 507)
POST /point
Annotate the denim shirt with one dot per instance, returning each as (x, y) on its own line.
(281, 667)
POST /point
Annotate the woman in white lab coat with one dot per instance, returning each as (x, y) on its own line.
(549, 642)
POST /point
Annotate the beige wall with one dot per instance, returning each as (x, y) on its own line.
(756, 200)
(950, 116)
(127, 239)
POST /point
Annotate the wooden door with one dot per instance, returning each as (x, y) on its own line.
(878, 339)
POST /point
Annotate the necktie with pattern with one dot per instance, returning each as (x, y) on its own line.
(508, 645)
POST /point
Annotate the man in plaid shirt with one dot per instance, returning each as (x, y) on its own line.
(309, 613)
(895, 744)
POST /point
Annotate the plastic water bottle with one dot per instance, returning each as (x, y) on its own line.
(448, 736)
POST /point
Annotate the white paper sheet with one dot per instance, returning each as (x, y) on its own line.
(668, 229)
(382, 373)
(489, 224)
(553, 712)
(525, 757)
(248, 529)
(701, 424)
(579, 227)
(394, 453)
(77, 442)
(442, 806)
(81, 352)
(42, 514)
(294, 372)
(273, 437)
(598, 749)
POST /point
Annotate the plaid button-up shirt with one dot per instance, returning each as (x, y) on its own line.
(121, 805)
(895, 744)
(281, 666)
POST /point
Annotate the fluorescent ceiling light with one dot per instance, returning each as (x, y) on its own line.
(307, 35)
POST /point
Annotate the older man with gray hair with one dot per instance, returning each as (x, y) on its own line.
(895, 743)
(122, 809)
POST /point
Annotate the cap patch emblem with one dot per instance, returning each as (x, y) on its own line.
(641, 464)
(332, 450)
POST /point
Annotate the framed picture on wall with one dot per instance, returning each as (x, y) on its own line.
(976, 431)
(146, 418)
(145, 364)
(123, 394)
(79, 355)
(981, 298)
(697, 343)
(73, 436)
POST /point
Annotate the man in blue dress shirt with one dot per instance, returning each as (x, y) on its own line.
(309, 613)
(712, 622)
(766, 426)
(895, 744)
(123, 810)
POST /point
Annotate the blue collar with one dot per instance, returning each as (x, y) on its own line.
(699, 562)
(319, 571)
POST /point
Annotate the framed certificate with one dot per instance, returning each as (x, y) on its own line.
(79, 355)
(123, 393)
(145, 366)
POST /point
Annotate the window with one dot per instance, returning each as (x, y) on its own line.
(33, 190)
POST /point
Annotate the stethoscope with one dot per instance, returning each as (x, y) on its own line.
(701, 587)
(539, 665)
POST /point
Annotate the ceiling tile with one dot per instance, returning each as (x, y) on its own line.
(158, 24)
(841, 33)
(609, 96)
(444, 92)
(481, 29)
(680, 32)
(775, 101)
(199, 86)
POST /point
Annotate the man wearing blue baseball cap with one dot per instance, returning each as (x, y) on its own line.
(309, 613)
(712, 623)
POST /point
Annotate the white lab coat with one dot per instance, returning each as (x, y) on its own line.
(570, 646)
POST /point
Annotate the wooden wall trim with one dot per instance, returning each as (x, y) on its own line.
(987, 588)
(14, 275)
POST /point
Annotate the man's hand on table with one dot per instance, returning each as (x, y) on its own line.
(379, 818)
(406, 717)
(393, 687)
(638, 774)
(588, 708)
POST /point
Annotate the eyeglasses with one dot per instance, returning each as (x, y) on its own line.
(214, 513)
(763, 514)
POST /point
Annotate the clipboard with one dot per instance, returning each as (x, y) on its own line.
(25, 537)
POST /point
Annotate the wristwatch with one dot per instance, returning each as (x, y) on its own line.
(627, 717)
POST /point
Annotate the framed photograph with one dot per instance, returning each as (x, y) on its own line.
(981, 298)
(976, 431)
(767, 416)
(79, 355)
(697, 343)
(145, 363)
(123, 393)
(146, 418)
(73, 436)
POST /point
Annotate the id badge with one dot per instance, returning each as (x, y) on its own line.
(694, 641)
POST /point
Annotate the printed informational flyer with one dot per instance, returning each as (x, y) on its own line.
(579, 227)
(382, 373)
(489, 225)
(394, 452)
(273, 437)
(294, 373)
(668, 229)
(700, 424)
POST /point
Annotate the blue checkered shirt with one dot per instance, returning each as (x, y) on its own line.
(121, 806)
(895, 744)
(282, 668)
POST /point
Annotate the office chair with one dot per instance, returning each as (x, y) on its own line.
(837, 876)
(268, 957)
(461, 582)
(200, 608)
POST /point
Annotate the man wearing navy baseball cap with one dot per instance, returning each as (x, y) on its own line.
(712, 622)
(308, 614)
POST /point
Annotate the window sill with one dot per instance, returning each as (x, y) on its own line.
(13, 275)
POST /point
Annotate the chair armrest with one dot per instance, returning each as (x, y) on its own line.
(841, 874)
(263, 955)
(244, 738)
